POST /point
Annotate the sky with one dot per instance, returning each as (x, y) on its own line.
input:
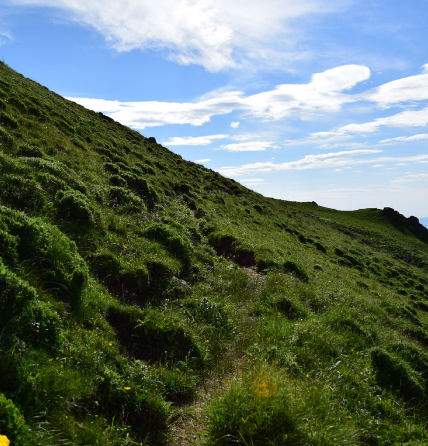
(315, 100)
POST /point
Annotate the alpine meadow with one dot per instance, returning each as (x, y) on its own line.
(147, 300)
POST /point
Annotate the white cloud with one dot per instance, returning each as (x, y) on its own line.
(140, 115)
(217, 34)
(332, 160)
(235, 124)
(411, 178)
(193, 140)
(327, 160)
(419, 137)
(249, 146)
(206, 160)
(408, 118)
(321, 94)
(252, 180)
(412, 88)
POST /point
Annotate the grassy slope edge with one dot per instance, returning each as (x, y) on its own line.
(148, 300)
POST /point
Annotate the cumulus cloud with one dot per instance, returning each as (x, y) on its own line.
(326, 160)
(193, 140)
(217, 34)
(235, 124)
(249, 146)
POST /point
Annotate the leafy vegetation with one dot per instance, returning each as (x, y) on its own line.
(147, 300)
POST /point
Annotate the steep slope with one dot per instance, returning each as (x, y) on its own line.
(146, 299)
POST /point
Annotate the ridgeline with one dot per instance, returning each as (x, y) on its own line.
(147, 300)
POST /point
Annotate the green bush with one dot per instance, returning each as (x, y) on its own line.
(166, 235)
(53, 258)
(22, 193)
(8, 121)
(131, 403)
(152, 335)
(30, 151)
(119, 196)
(298, 271)
(7, 141)
(15, 296)
(393, 372)
(256, 412)
(73, 206)
(12, 423)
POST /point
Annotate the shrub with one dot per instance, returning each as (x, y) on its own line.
(291, 267)
(8, 121)
(42, 324)
(7, 141)
(119, 196)
(153, 335)
(22, 193)
(53, 257)
(12, 422)
(73, 206)
(30, 151)
(132, 404)
(256, 412)
(15, 296)
(165, 235)
(393, 372)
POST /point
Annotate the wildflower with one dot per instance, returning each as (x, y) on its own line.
(4, 441)
(110, 344)
(127, 388)
(361, 373)
(349, 417)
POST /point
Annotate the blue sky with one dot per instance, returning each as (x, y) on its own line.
(311, 100)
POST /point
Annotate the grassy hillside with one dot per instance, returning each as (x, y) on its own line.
(147, 300)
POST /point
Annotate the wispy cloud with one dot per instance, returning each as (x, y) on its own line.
(206, 160)
(408, 118)
(408, 89)
(249, 146)
(418, 137)
(193, 140)
(323, 161)
(411, 178)
(217, 34)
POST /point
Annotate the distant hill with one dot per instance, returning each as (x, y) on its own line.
(147, 300)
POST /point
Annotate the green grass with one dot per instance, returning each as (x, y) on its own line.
(139, 291)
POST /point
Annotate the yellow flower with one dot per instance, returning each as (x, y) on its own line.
(4, 441)
(127, 388)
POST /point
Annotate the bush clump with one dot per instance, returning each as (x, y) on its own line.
(298, 271)
(22, 193)
(120, 196)
(15, 296)
(12, 423)
(393, 372)
(73, 206)
(176, 244)
(30, 151)
(7, 141)
(8, 121)
(53, 257)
